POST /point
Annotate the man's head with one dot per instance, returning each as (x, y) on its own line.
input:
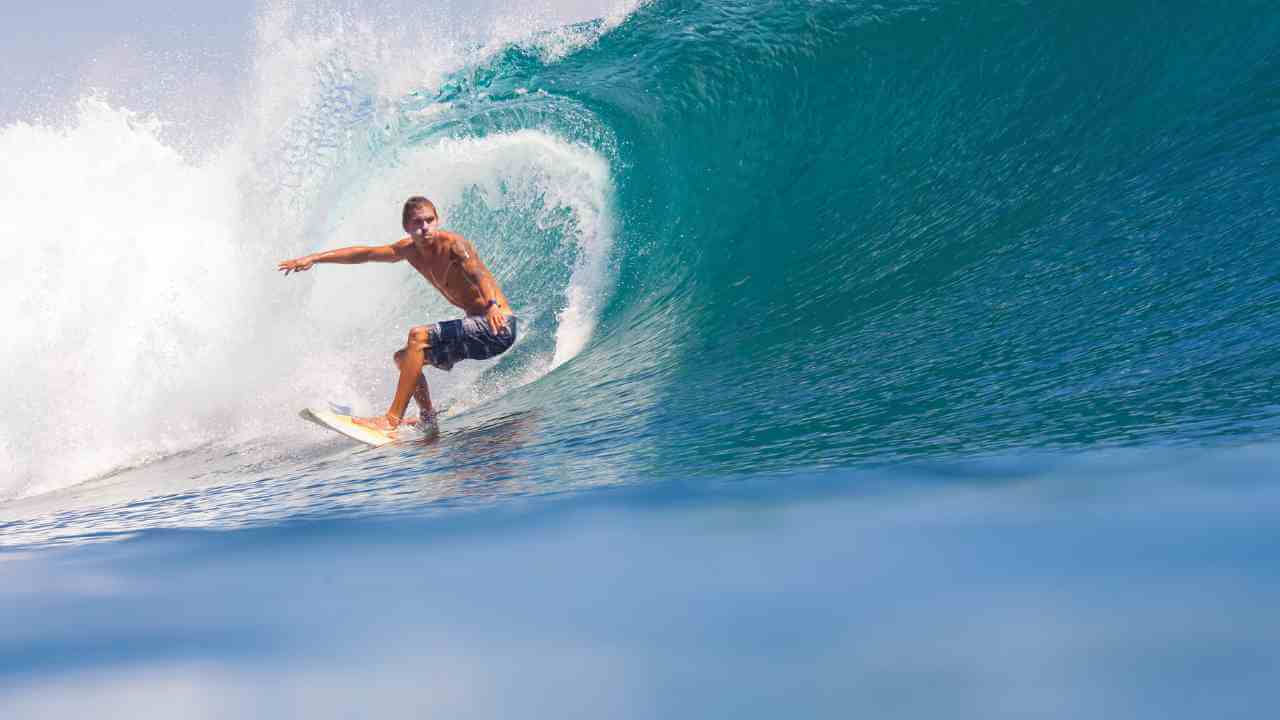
(419, 217)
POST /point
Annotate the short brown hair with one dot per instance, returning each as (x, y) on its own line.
(414, 203)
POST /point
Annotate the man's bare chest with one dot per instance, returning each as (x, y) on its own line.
(435, 266)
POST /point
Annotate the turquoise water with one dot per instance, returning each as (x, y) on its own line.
(882, 358)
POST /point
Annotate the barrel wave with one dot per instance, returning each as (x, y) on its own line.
(746, 238)
(856, 232)
(908, 358)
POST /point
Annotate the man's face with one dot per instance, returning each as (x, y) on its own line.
(421, 222)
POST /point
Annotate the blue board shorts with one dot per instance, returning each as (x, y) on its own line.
(469, 338)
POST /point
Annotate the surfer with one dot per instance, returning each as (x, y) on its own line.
(450, 263)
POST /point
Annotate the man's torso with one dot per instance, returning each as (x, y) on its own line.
(441, 263)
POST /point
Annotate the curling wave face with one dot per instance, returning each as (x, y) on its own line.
(748, 239)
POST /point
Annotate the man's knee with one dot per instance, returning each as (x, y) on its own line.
(418, 337)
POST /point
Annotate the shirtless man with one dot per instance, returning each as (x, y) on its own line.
(450, 263)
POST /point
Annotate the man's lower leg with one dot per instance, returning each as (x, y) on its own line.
(410, 371)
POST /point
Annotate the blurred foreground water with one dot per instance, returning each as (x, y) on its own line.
(1126, 584)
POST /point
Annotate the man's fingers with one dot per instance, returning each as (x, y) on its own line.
(291, 266)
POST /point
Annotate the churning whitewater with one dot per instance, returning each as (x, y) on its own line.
(144, 322)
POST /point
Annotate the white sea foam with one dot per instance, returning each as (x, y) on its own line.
(143, 315)
(122, 281)
(565, 37)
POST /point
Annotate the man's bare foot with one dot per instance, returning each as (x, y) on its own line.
(380, 422)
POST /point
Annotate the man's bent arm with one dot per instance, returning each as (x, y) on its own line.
(474, 271)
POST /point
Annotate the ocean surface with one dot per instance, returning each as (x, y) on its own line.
(892, 359)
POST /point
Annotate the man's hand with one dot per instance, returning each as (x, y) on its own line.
(295, 265)
(497, 321)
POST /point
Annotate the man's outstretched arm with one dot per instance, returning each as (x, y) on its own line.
(395, 252)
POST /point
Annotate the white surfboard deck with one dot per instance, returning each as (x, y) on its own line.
(342, 424)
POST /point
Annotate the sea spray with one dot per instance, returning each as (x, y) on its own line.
(145, 316)
(123, 281)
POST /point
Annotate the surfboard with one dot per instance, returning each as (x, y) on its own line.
(340, 423)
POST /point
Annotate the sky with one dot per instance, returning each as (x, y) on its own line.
(182, 61)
